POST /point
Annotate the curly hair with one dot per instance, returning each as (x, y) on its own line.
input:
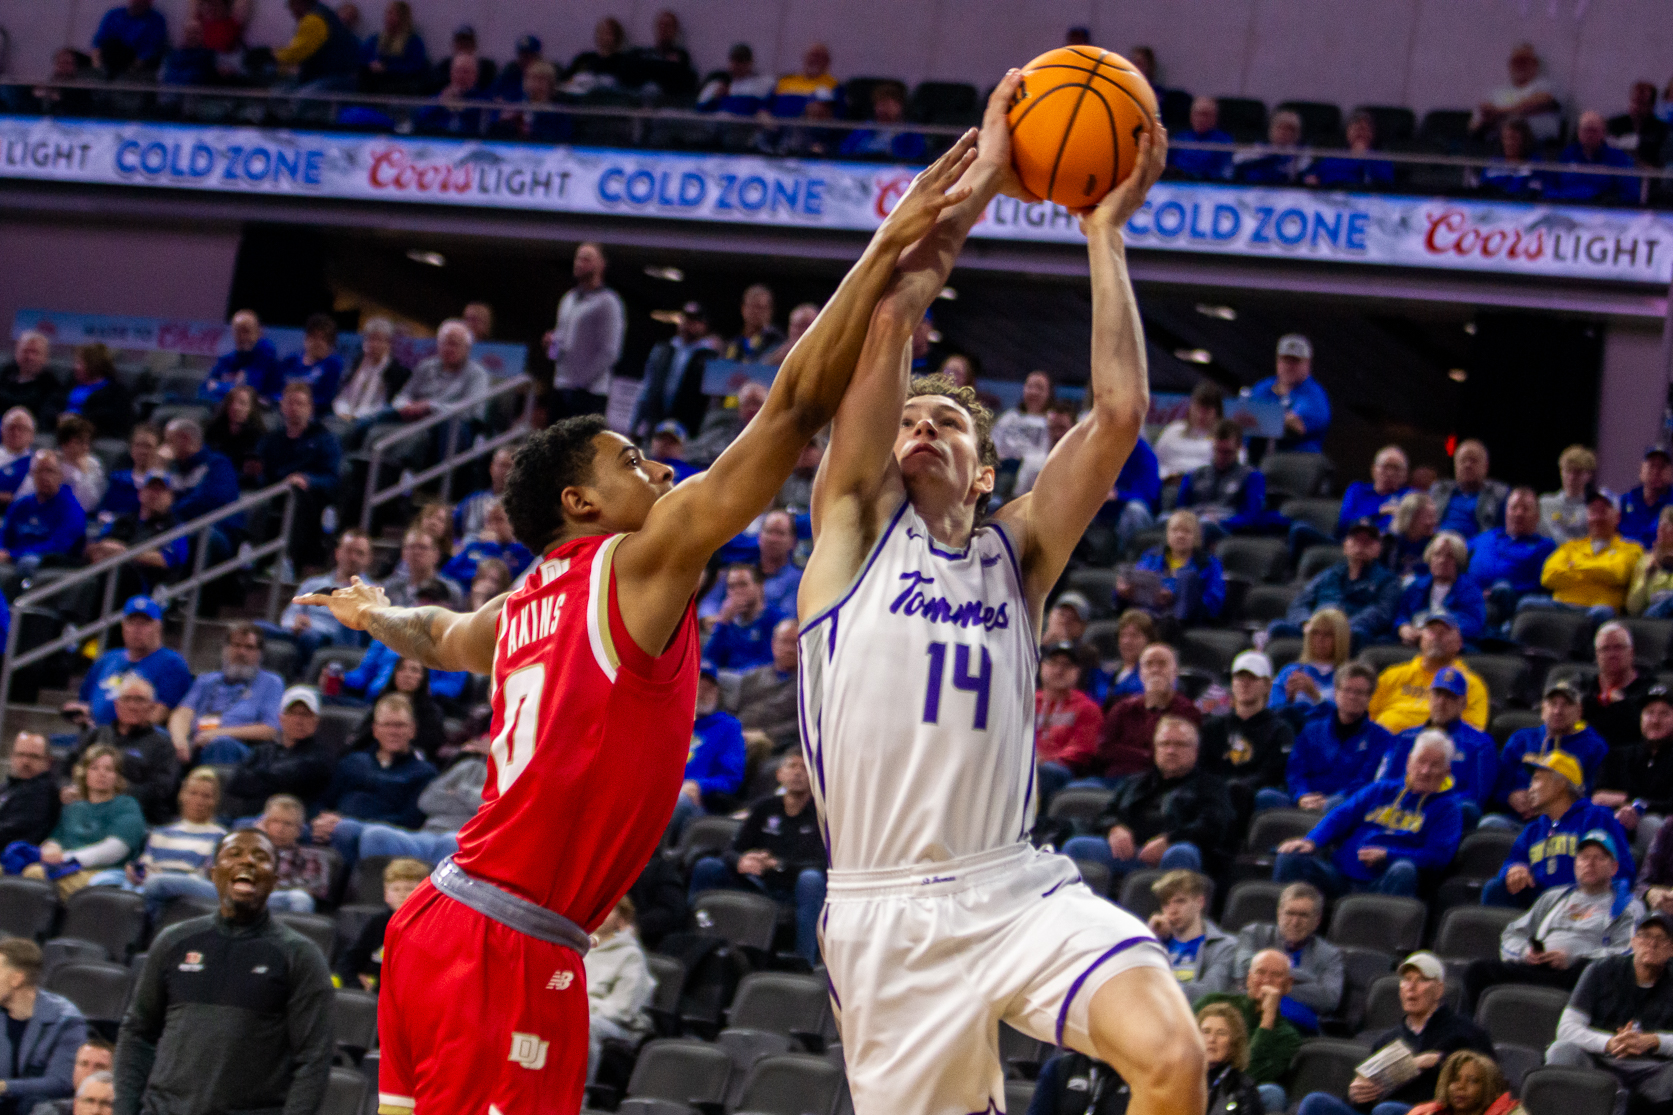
(980, 415)
(556, 458)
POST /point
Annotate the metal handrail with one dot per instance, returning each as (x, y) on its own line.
(452, 459)
(190, 587)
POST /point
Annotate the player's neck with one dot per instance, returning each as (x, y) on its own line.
(950, 524)
(574, 531)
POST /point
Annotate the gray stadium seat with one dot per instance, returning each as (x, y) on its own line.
(1103, 635)
(1249, 902)
(1260, 560)
(356, 1019)
(336, 725)
(1510, 721)
(745, 1047)
(1019, 1094)
(749, 920)
(1296, 475)
(1517, 1061)
(664, 1007)
(1020, 1054)
(68, 950)
(1521, 1015)
(107, 916)
(1482, 853)
(1098, 586)
(704, 836)
(1316, 559)
(676, 1071)
(1551, 633)
(1320, 514)
(1505, 675)
(365, 885)
(1651, 639)
(1081, 806)
(781, 1003)
(347, 657)
(28, 907)
(1136, 898)
(791, 1084)
(1282, 652)
(1362, 968)
(98, 988)
(1325, 1065)
(1555, 1091)
(1266, 603)
(1211, 649)
(316, 927)
(1379, 921)
(1472, 932)
(345, 1093)
(1095, 875)
(1380, 658)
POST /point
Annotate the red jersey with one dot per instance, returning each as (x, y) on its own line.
(589, 740)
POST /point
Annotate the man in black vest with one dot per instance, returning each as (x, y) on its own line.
(1620, 1019)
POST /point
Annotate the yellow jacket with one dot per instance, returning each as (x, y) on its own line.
(1650, 584)
(1402, 697)
(1577, 573)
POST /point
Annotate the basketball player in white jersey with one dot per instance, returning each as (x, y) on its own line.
(919, 646)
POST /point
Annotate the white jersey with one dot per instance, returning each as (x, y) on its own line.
(917, 702)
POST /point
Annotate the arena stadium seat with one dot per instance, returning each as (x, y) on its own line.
(1260, 560)
(28, 907)
(1098, 586)
(345, 1092)
(1266, 603)
(1095, 875)
(1144, 540)
(1320, 514)
(1282, 652)
(1516, 1062)
(1512, 720)
(1270, 828)
(1446, 130)
(355, 1017)
(1482, 853)
(1379, 921)
(107, 916)
(855, 96)
(1136, 897)
(795, 1006)
(365, 885)
(1175, 110)
(1321, 123)
(1506, 677)
(336, 725)
(1296, 475)
(1380, 658)
(1080, 806)
(1650, 640)
(98, 988)
(1472, 932)
(1395, 124)
(280, 657)
(1361, 968)
(1556, 1091)
(744, 1048)
(1520, 1014)
(704, 836)
(747, 920)
(1316, 559)
(1019, 1094)
(1020, 1054)
(1103, 636)
(1244, 118)
(1325, 1065)
(944, 102)
(68, 950)
(674, 1074)
(316, 927)
(664, 1007)
(790, 1084)
(1551, 633)
(1212, 649)
(1249, 902)
(1382, 1005)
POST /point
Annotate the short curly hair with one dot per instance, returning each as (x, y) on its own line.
(966, 397)
(556, 458)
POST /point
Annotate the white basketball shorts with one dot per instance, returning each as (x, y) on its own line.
(924, 964)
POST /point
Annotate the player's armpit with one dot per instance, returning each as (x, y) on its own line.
(437, 637)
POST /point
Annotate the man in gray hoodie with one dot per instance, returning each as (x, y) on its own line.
(1200, 952)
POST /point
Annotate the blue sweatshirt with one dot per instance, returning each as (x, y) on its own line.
(1584, 744)
(1332, 758)
(163, 668)
(743, 646)
(1211, 165)
(1475, 767)
(13, 475)
(203, 483)
(1306, 399)
(367, 791)
(323, 376)
(411, 62)
(1422, 828)
(1140, 479)
(1369, 602)
(1361, 501)
(716, 760)
(1639, 515)
(1547, 847)
(1210, 576)
(316, 454)
(1249, 511)
(1497, 558)
(146, 35)
(1464, 600)
(461, 567)
(54, 526)
(253, 368)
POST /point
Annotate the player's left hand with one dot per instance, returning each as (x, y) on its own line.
(934, 190)
(1112, 213)
(349, 605)
(993, 149)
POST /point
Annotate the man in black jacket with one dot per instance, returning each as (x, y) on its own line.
(659, 898)
(1638, 778)
(294, 764)
(259, 987)
(1620, 1019)
(150, 764)
(155, 516)
(305, 455)
(1250, 745)
(672, 386)
(29, 797)
(28, 381)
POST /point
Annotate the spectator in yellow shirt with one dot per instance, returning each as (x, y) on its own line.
(1402, 697)
(791, 94)
(1593, 572)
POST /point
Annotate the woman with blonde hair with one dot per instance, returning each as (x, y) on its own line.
(1441, 585)
(1651, 593)
(1225, 1040)
(1562, 513)
(104, 827)
(1470, 1084)
(1180, 580)
(1414, 523)
(1326, 642)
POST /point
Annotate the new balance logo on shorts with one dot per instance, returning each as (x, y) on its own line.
(560, 981)
(528, 1050)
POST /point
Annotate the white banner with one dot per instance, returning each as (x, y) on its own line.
(1570, 242)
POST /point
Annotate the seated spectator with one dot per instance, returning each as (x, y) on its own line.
(236, 431)
(142, 652)
(1402, 697)
(492, 578)
(311, 627)
(667, 447)
(130, 40)
(1411, 532)
(1591, 148)
(394, 60)
(1470, 502)
(304, 873)
(1212, 166)
(1471, 1084)
(1506, 562)
(472, 511)
(1566, 928)
(537, 118)
(45, 526)
(1562, 514)
(793, 90)
(759, 336)
(411, 678)
(619, 984)
(1560, 730)
(778, 851)
(1187, 444)
(742, 636)
(17, 450)
(607, 64)
(1130, 722)
(1358, 586)
(1225, 1040)
(84, 474)
(1445, 587)
(495, 540)
(362, 962)
(93, 1059)
(251, 363)
(294, 765)
(1134, 631)
(1067, 722)
(1340, 747)
(1061, 415)
(122, 493)
(1641, 508)
(1651, 593)
(1475, 755)
(1279, 167)
(1637, 778)
(203, 480)
(1384, 836)
(304, 454)
(508, 86)
(1595, 572)
(459, 111)
(1228, 495)
(380, 786)
(714, 772)
(738, 90)
(666, 64)
(1306, 406)
(191, 62)
(418, 572)
(228, 710)
(1309, 681)
(721, 425)
(1639, 131)
(102, 827)
(98, 395)
(1528, 97)
(465, 45)
(1558, 816)
(1517, 177)
(1430, 1029)
(1174, 815)
(1138, 495)
(1248, 745)
(1075, 1079)
(29, 800)
(1620, 1018)
(377, 377)
(154, 516)
(322, 56)
(1610, 706)
(767, 695)
(446, 379)
(1180, 583)
(1258, 1003)
(382, 670)
(1338, 172)
(28, 379)
(44, 1033)
(1316, 967)
(1376, 501)
(317, 365)
(1199, 951)
(888, 109)
(149, 764)
(180, 850)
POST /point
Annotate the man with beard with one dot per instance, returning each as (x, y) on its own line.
(229, 709)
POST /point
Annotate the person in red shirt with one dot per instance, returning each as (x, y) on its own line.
(1130, 723)
(1067, 722)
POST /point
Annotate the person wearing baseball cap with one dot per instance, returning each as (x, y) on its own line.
(1249, 745)
(296, 763)
(1475, 754)
(1306, 406)
(1402, 697)
(672, 384)
(1559, 815)
(1067, 722)
(1594, 573)
(1620, 1019)
(1560, 729)
(1359, 585)
(1638, 778)
(1641, 508)
(668, 447)
(142, 652)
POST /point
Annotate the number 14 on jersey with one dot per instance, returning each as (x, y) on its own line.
(978, 683)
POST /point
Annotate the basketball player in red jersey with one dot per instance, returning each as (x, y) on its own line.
(594, 662)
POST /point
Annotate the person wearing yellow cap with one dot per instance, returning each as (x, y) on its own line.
(1543, 855)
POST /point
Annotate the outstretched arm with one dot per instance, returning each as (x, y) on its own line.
(1078, 475)
(441, 639)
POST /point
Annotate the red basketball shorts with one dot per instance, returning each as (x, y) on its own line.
(475, 1018)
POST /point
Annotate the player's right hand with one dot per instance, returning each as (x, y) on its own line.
(935, 189)
(349, 605)
(994, 146)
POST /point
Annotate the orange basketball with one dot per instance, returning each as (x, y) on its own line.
(1076, 123)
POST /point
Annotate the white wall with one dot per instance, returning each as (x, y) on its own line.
(1424, 53)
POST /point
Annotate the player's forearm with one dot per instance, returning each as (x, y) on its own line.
(925, 266)
(1120, 380)
(420, 633)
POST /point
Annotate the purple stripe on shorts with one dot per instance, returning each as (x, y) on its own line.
(1074, 988)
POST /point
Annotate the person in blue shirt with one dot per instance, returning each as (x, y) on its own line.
(1280, 167)
(1443, 585)
(1470, 502)
(1228, 495)
(1377, 501)
(1308, 682)
(1336, 172)
(305, 455)
(526, 51)
(775, 543)
(1641, 508)
(459, 111)
(252, 361)
(1187, 584)
(1475, 754)
(1306, 406)
(377, 668)
(142, 652)
(495, 541)
(203, 480)
(888, 109)
(1543, 855)
(743, 632)
(131, 38)
(17, 448)
(1358, 585)
(190, 63)
(122, 493)
(714, 770)
(1560, 730)
(1138, 494)
(229, 710)
(1386, 836)
(1591, 148)
(394, 60)
(1507, 561)
(317, 365)
(1213, 166)
(47, 526)
(1339, 749)
(1517, 177)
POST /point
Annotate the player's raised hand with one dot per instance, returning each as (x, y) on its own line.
(994, 146)
(349, 604)
(936, 188)
(1125, 199)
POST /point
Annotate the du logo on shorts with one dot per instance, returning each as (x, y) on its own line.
(528, 1050)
